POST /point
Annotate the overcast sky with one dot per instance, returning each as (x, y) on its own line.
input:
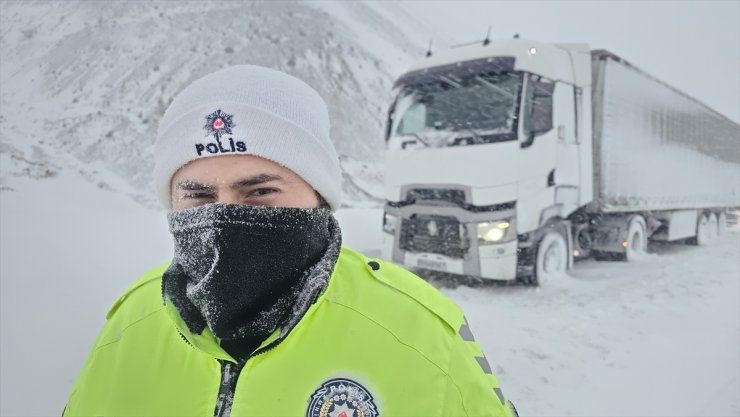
(692, 45)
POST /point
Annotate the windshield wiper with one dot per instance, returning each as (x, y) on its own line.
(476, 137)
(416, 135)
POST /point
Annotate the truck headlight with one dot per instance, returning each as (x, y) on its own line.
(389, 223)
(492, 232)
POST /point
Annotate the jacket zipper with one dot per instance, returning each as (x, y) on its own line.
(185, 339)
(229, 375)
(230, 372)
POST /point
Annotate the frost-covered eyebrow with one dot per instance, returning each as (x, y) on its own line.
(258, 179)
(188, 185)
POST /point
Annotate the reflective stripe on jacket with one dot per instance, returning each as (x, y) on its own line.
(378, 342)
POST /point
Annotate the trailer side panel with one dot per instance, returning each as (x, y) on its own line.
(656, 148)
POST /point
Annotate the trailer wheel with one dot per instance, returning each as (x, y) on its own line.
(636, 239)
(721, 224)
(713, 226)
(702, 231)
(551, 260)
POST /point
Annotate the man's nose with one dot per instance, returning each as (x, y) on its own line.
(229, 197)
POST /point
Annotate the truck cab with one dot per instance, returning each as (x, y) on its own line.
(489, 149)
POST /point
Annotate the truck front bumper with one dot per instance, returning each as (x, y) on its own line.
(494, 262)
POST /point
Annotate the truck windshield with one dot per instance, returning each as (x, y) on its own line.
(455, 111)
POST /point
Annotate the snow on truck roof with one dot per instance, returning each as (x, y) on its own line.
(552, 61)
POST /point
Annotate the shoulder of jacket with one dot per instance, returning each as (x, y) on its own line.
(409, 285)
(154, 274)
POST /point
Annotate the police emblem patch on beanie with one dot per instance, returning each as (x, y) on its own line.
(342, 397)
(218, 124)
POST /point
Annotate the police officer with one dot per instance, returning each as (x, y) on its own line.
(262, 311)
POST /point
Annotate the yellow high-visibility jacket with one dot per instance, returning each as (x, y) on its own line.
(378, 342)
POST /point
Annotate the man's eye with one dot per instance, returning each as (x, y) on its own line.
(262, 192)
(198, 196)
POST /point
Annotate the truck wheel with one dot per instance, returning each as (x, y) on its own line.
(552, 258)
(702, 231)
(721, 224)
(713, 226)
(583, 242)
(636, 239)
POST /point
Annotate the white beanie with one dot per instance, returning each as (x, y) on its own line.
(249, 110)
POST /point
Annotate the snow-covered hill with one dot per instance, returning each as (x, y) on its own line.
(84, 83)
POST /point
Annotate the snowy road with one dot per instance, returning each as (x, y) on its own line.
(657, 338)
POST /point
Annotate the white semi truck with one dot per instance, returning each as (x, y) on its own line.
(509, 159)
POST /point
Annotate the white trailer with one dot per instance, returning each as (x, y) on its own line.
(509, 159)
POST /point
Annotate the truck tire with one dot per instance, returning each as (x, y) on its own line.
(721, 224)
(551, 258)
(713, 226)
(702, 231)
(636, 239)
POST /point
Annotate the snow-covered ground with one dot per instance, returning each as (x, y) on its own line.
(660, 337)
(657, 338)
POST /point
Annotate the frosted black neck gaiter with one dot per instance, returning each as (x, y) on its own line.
(239, 269)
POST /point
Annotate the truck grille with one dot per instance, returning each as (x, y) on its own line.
(442, 235)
